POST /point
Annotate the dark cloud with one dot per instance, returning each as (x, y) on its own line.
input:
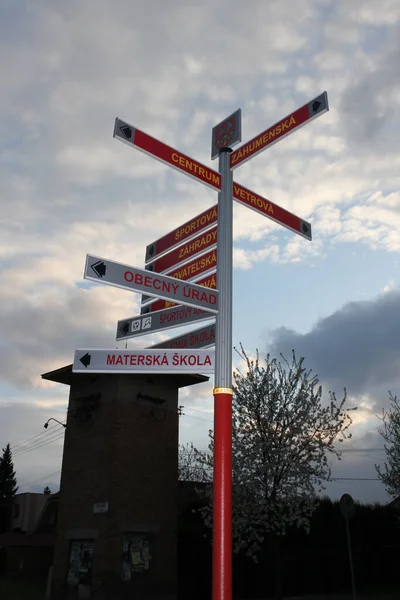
(357, 347)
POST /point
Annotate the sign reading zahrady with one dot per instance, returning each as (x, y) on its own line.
(144, 361)
(191, 249)
(152, 284)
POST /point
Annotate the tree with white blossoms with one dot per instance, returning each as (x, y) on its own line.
(390, 473)
(189, 467)
(283, 434)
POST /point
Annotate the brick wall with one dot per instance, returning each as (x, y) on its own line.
(123, 452)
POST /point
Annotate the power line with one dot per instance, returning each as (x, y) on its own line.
(37, 443)
(42, 433)
(198, 418)
(41, 445)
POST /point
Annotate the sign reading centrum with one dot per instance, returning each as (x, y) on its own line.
(169, 156)
(144, 361)
(152, 284)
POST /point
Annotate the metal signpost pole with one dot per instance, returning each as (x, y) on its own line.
(222, 511)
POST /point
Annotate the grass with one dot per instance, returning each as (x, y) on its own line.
(14, 589)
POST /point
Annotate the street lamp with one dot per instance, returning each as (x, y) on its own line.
(56, 420)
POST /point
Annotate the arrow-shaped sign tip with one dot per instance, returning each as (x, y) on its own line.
(306, 229)
(85, 360)
(99, 268)
(124, 328)
(315, 106)
(127, 132)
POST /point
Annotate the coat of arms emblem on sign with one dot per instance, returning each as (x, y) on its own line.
(225, 132)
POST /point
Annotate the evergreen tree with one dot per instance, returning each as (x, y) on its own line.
(8, 479)
(8, 488)
(47, 491)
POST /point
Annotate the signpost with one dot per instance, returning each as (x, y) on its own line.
(224, 135)
(347, 509)
(174, 316)
(144, 361)
(198, 338)
(153, 284)
(158, 150)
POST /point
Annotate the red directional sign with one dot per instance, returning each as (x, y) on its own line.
(191, 249)
(202, 264)
(149, 145)
(182, 234)
(281, 129)
(193, 269)
(210, 282)
(272, 211)
(197, 338)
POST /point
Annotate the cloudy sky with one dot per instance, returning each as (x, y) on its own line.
(175, 69)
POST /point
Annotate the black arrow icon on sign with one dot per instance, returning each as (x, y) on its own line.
(305, 228)
(99, 268)
(124, 328)
(150, 267)
(85, 360)
(127, 131)
(316, 105)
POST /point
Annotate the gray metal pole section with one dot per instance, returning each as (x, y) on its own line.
(223, 331)
(222, 488)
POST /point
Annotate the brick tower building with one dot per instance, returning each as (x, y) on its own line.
(117, 521)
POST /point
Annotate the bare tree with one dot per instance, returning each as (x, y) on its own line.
(390, 474)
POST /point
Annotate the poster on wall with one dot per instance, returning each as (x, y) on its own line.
(136, 555)
(80, 562)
